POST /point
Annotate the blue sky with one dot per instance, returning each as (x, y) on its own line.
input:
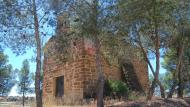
(153, 62)
(16, 61)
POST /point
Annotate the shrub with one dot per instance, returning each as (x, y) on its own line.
(115, 87)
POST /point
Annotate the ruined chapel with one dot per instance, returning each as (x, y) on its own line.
(75, 79)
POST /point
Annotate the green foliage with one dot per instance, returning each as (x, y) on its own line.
(25, 78)
(115, 86)
(6, 77)
(170, 60)
(17, 24)
(167, 80)
(143, 17)
(169, 63)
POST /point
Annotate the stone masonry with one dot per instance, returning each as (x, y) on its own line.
(77, 76)
(80, 75)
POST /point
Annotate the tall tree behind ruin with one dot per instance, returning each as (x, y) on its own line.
(148, 20)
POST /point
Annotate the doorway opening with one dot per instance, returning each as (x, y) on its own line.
(59, 91)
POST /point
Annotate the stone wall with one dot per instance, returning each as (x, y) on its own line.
(141, 71)
(80, 74)
(135, 73)
(76, 62)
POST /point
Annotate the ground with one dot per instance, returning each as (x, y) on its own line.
(156, 102)
(13, 104)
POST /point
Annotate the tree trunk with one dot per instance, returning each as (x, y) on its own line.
(151, 90)
(100, 88)
(180, 88)
(157, 48)
(162, 90)
(23, 98)
(38, 58)
(153, 86)
(170, 94)
(156, 80)
(100, 82)
(180, 83)
(179, 68)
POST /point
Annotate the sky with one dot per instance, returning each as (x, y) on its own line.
(153, 62)
(16, 62)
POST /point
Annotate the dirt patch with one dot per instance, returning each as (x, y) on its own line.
(156, 102)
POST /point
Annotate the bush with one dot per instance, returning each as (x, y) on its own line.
(115, 88)
(136, 95)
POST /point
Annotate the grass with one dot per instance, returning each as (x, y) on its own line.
(14, 104)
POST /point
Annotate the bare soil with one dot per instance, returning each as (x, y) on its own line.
(155, 102)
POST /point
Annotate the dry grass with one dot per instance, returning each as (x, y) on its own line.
(14, 104)
(156, 102)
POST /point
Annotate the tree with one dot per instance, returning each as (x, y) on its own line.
(167, 80)
(149, 21)
(38, 56)
(176, 62)
(90, 16)
(6, 77)
(177, 51)
(25, 20)
(24, 80)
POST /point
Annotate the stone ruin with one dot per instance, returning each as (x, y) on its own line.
(75, 79)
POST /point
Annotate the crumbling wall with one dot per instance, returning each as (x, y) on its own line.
(75, 60)
(135, 74)
(141, 70)
(80, 74)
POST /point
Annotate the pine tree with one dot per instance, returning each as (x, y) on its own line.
(6, 77)
(25, 80)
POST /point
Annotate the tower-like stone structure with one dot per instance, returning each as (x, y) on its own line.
(70, 73)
